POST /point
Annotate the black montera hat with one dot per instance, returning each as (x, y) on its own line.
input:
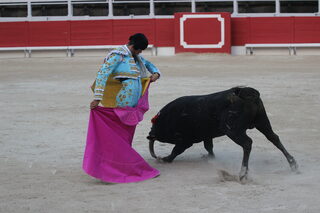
(139, 41)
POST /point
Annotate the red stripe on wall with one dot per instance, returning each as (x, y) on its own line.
(49, 33)
(13, 34)
(164, 32)
(123, 29)
(271, 30)
(98, 32)
(159, 31)
(307, 30)
(240, 31)
(275, 30)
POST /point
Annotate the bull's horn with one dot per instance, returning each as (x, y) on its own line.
(151, 148)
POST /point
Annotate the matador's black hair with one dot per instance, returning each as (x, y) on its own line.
(139, 41)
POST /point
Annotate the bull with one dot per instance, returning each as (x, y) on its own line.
(193, 119)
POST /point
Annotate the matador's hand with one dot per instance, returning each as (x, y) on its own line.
(154, 77)
(94, 104)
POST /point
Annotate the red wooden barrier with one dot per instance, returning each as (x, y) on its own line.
(275, 30)
(13, 34)
(98, 32)
(122, 29)
(50, 33)
(164, 33)
(161, 32)
(271, 30)
(307, 30)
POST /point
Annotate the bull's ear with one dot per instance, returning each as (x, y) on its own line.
(232, 97)
(237, 91)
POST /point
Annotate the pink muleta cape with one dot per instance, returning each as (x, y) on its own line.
(109, 155)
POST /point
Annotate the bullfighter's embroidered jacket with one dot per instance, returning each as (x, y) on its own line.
(121, 64)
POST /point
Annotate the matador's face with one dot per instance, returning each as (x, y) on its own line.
(136, 52)
(133, 51)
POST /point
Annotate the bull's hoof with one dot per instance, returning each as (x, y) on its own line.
(211, 155)
(165, 160)
(293, 165)
(243, 176)
(208, 156)
(243, 179)
(160, 160)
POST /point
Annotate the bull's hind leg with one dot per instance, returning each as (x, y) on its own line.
(245, 142)
(262, 123)
(208, 145)
(177, 150)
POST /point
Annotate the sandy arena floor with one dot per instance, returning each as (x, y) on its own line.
(44, 114)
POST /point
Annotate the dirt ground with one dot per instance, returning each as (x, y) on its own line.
(44, 114)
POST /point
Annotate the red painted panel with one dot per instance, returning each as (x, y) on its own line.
(164, 32)
(271, 30)
(95, 32)
(13, 34)
(202, 31)
(123, 29)
(307, 30)
(161, 32)
(199, 32)
(49, 33)
(240, 33)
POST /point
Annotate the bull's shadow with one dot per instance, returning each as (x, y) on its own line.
(193, 119)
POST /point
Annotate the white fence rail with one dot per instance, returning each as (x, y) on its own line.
(292, 47)
(70, 50)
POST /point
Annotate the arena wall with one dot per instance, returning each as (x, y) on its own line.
(161, 32)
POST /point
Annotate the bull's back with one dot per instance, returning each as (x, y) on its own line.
(193, 118)
(197, 103)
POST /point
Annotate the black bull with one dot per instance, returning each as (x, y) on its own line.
(193, 119)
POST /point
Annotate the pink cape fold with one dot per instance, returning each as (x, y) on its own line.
(131, 116)
(108, 154)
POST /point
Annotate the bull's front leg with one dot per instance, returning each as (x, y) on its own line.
(177, 150)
